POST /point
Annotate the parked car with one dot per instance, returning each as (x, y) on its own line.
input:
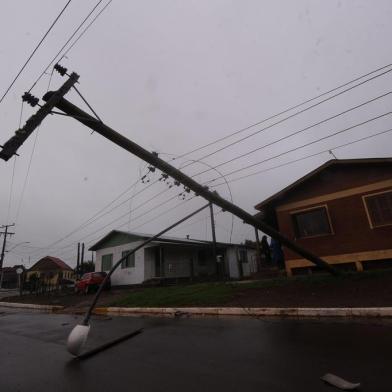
(91, 281)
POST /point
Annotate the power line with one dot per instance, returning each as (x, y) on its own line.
(85, 30)
(135, 228)
(304, 145)
(286, 110)
(13, 167)
(136, 208)
(67, 42)
(30, 160)
(303, 158)
(100, 214)
(27, 176)
(135, 218)
(228, 187)
(292, 115)
(296, 132)
(124, 215)
(36, 48)
(201, 220)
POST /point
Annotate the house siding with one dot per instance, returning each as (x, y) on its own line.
(180, 260)
(341, 190)
(350, 226)
(335, 179)
(123, 276)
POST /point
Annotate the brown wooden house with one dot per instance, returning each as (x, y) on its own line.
(342, 212)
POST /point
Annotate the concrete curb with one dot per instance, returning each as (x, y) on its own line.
(30, 306)
(253, 312)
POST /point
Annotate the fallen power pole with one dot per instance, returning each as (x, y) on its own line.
(56, 99)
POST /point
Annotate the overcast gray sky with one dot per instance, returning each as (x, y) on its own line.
(173, 76)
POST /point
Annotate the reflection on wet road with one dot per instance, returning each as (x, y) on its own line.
(189, 354)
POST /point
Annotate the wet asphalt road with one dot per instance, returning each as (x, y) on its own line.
(207, 354)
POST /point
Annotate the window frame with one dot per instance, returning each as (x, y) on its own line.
(108, 254)
(123, 263)
(318, 207)
(364, 197)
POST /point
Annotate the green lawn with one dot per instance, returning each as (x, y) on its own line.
(187, 295)
(216, 294)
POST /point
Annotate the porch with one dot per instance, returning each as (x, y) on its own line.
(165, 262)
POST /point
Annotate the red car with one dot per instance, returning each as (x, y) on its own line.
(91, 281)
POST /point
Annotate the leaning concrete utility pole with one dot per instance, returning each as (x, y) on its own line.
(56, 99)
(10, 147)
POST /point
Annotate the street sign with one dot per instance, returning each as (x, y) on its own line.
(19, 271)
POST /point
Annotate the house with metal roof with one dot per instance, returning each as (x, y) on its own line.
(50, 270)
(341, 211)
(170, 258)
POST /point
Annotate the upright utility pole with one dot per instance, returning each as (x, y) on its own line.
(82, 259)
(214, 239)
(5, 234)
(78, 261)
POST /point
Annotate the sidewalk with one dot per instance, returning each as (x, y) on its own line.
(377, 312)
(249, 312)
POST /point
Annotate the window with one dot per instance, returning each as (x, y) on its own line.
(129, 262)
(107, 262)
(313, 222)
(379, 208)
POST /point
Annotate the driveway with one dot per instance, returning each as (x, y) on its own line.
(206, 354)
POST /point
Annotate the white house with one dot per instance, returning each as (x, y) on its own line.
(169, 257)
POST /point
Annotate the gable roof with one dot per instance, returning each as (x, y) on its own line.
(132, 236)
(332, 162)
(50, 262)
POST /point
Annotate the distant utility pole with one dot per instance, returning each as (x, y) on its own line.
(5, 234)
(82, 259)
(78, 261)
